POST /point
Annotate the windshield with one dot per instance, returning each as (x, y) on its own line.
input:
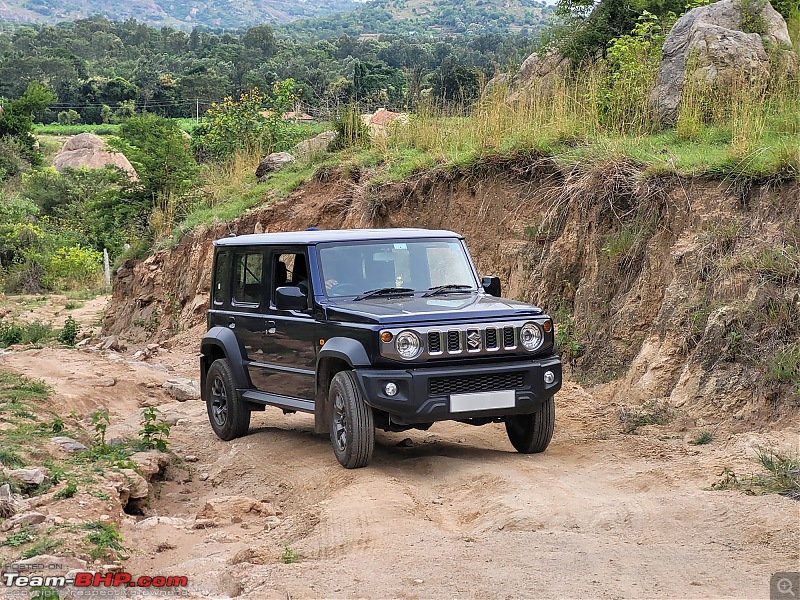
(409, 266)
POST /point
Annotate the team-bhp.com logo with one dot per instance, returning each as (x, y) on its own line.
(94, 580)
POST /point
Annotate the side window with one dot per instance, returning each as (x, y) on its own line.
(290, 269)
(247, 278)
(220, 290)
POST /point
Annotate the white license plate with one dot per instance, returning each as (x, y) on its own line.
(482, 401)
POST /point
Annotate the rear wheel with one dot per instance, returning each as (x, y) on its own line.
(532, 433)
(352, 425)
(228, 415)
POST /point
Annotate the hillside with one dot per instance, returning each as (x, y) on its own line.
(176, 13)
(326, 18)
(438, 17)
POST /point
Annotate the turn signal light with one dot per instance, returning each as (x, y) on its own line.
(547, 326)
(386, 337)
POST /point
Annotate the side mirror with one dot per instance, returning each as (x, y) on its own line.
(290, 297)
(491, 285)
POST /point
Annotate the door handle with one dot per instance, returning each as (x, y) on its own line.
(232, 322)
(271, 327)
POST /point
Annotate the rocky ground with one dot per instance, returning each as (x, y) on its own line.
(448, 513)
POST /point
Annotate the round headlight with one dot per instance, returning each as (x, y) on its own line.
(531, 336)
(408, 345)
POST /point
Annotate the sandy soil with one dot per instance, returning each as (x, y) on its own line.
(452, 513)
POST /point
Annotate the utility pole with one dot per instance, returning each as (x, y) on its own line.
(197, 110)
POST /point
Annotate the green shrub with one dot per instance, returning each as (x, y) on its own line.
(10, 333)
(76, 266)
(350, 128)
(69, 332)
(253, 123)
(68, 117)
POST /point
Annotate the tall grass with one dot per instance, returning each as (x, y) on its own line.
(749, 130)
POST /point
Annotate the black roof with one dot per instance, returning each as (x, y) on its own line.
(332, 235)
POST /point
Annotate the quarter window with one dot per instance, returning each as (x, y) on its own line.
(247, 278)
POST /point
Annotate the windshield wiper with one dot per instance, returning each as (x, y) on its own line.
(387, 291)
(443, 289)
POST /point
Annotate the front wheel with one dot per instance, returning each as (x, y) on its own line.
(352, 425)
(532, 433)
(228, 415)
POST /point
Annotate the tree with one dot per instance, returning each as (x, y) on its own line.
(16, 120)
(157, 149)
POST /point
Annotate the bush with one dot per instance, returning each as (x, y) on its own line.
(69, 333)
(253, 123)
(350, 128)
(10, 333)
(68, 117)
(75, 267)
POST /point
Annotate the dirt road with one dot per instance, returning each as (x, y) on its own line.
(452, 513)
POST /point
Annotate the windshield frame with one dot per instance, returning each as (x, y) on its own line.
(474, 279)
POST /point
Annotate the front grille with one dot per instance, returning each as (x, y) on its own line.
(508, 337)
(441, 386)
(434, 342)
(454, 341)
(491, 338)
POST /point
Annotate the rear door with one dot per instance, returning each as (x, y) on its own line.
(249, 298)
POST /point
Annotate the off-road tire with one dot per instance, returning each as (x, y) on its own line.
(532, 433)
(352, 426)
(228, 415)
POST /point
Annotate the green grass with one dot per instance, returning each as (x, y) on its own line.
(103, 539)
(55, 129)
(15, 389)
(703, 437)
(780, 475)
(41, 546)
(288, 556)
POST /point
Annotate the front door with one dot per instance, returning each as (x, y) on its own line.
(288, 350)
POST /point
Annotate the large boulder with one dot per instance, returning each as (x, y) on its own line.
(722, 54)
(86, 150)
(538, 72)
(316, 146)
(273, 162)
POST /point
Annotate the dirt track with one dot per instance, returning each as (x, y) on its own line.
(456, 514)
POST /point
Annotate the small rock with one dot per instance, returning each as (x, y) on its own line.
(138, 355)
(104, 382)
(204, 476)
(30, 476)
(228, 506)
(112, 343)
(150, 463)
(406, 443)
(111, 568)
(153, 348)
(181, 421)
(67, 444)
(28, 518)
(191, 458)
(116, 441)
(83, 343)
(204, 524)
(438, 501)
(152, 522)
(181, 389)
(419, 581)
(271, 522)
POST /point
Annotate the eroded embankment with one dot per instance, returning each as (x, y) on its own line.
(667, 289)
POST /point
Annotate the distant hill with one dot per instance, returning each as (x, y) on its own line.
(175, 13)
(312, 18)
(426, 17)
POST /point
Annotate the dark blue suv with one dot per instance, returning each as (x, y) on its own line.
(366, 328)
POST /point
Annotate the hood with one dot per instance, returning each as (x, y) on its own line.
(453, 308)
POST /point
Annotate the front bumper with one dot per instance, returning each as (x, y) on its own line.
(424, 394)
